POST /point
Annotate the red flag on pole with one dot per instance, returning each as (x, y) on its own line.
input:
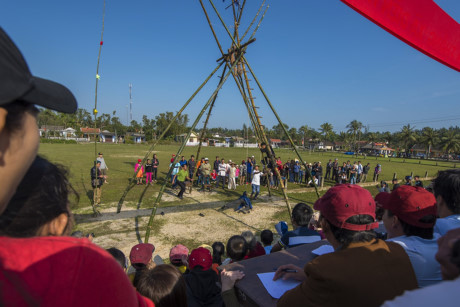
(420, 23)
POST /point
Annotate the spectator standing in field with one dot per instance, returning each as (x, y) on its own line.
(328, 169)
(155, 164)
(180, 178)
(384, 187)
(139, 170)
(409, 218)
(231, 177)
(249, 166)
(205, 172)
(366, 169)
(216, 164)
(359, 172)
(377, 171)
(198, 172)
(104, 168)
(296, 172)
(222, 173)
(97, 180)
(408, 180)
(183, 161)
(319, 172)
(301, 216)
(418, 182)
(395, 183)
(447, 193)
(384, 269)
(255, 183)
(335, 170)
(353, 173)
(242, 176)
(148, 172)
(191, 166)
(174, 173)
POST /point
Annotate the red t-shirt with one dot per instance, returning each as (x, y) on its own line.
(259, 250)
(62, 271)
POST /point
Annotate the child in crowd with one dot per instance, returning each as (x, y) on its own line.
(218, 251)
(266, 236)
(164, 285)
(242, 174)
(315, 225)
(213, 176)
(148, 172)
(231, 177)
(141, 257)
(255, 249)
(119, 257)
(237, 248)
(237, 174)
(139, 170)
(418, 182)
(178, 257)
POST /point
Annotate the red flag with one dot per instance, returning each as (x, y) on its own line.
(420, 23)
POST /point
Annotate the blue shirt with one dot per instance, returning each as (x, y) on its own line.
(421, 253)
(301, 235)
(268, 249)
(447, 223)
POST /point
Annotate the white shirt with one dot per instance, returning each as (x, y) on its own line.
(443, 225)
(256, 178)
(445, 294)
(421, 253)
(222, 169)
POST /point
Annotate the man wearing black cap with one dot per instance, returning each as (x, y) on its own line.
(23, 261)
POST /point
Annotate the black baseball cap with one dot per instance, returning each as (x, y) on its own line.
(18, 84)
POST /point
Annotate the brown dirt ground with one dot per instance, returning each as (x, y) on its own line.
(180, 224)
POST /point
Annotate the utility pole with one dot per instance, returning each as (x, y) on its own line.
(130, 104)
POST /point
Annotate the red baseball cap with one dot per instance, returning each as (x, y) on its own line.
(139, 160)
(141, 253)
(381, 198)
(177, 252)
(344, 201)
(200, 256)
(410, 204)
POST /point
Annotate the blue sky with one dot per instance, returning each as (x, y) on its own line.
(318, 61)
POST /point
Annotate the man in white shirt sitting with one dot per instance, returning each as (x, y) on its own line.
(409, 218)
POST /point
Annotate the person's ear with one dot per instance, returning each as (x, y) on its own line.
(55, 227)
(395, 221)
(3, 114)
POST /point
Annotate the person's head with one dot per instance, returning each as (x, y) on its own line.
(139, 160)
(447, 192)
(250, 239)
(178, 255)
(383, 183)
(408, 179)
(148, 161)
(217, 158)
(237, 248)
(394, 181)
(192, 157)
(97, 163)
(184, 167)
(266, 236)
(200, 259)
(19, 92)
(347, 215)
(119, 257)
(218, 250)
(222, 160)
(301, 215)
(100, 154)
(40, 206)
(164, 285)
(256, 167)
(182, 158)
(141, 255)
(409, 211)
(206, 160)
(154, 156)
(448, 254)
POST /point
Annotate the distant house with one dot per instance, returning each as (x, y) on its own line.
(191, 141)
(421, 150)
(275, 143)
(107, 137)
(90, 132)
(338, 146)
(137, 138)
(325, 145)
(376, 149)
(48, 130)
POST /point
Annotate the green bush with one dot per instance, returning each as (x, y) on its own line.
(55, 141)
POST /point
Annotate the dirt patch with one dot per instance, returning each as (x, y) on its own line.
(200, 222)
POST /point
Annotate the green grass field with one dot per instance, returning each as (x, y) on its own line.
(78, 158)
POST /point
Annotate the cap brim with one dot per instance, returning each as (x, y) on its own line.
(51, 95)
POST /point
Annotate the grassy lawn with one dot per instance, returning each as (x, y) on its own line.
(78, 158)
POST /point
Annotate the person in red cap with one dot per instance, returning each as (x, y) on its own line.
(45, 271)
(178, 257)
(201, 280)
(363, 270)
(409, 218)
(141, 259)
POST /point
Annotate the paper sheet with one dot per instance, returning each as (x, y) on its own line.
(276, 288)
(323, 249)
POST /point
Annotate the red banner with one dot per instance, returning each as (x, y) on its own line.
(420, 23)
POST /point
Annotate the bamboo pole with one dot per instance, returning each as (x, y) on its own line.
(131, 185)
(253, 20)
(160, 193)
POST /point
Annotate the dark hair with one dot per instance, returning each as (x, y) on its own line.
(250, 239)
(447, 185)
(119, 256)
(164, 285)
(42, 195)
(266, 236)
(301, 214)
(16, 111)
(455, 258)
(345, 236)
(237, 248)
(218, 250)
(140, 268)
(410, 230)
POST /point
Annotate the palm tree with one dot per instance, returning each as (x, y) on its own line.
(429, 138)
(407, 135)
(326, 130)
(371, 137)
(355, 127)
(450, 142)
(303, 131)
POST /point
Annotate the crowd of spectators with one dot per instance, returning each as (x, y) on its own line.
(416, 263)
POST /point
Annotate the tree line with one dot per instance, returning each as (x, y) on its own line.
(445, 139)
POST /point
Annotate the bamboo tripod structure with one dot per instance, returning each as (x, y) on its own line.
(237, 66)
